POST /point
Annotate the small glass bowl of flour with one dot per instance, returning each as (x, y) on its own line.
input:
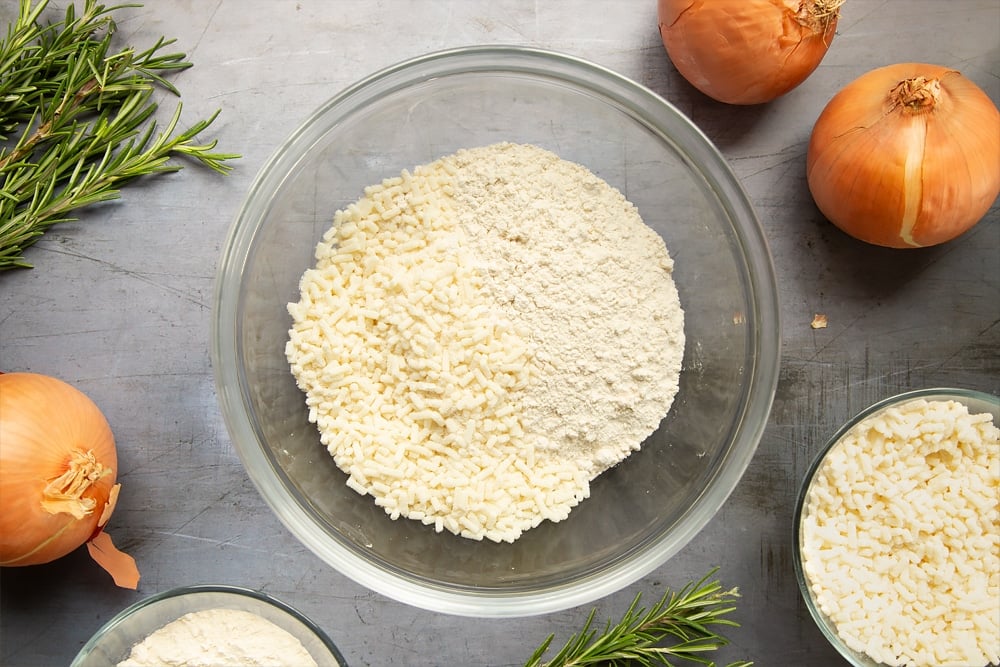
(216, 625)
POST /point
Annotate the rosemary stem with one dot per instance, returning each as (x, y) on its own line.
(81, 114)
(681, 626)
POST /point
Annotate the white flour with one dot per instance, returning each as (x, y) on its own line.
(481, 338)
(219, 638)
(567, 256)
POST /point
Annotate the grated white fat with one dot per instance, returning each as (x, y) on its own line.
(901, 536)
(483, 336)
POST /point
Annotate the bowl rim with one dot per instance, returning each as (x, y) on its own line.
(763, 340)
(198, 589)
(986, 402)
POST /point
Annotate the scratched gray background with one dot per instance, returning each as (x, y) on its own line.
(120, 305)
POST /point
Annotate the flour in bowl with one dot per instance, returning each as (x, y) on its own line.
(479, 339)
(219, 638)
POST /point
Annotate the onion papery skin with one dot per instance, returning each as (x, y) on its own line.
(906, 175)
(44, 424)
(747, 51)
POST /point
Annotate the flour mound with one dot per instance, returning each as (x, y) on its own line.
(219, 638)
(565, 255)
(483, 337)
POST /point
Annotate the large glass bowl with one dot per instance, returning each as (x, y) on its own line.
(639, 513)
(976, 402)
(113, 642)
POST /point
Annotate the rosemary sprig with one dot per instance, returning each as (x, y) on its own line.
(75, 120)
(681, 626)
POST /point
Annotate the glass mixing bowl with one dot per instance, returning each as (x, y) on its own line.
(640, 513)
(976, 402)
(113, 642)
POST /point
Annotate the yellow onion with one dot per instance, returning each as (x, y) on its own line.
(906, 156)
(747, 51)
(58, 469)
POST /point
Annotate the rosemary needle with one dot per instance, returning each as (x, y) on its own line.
(75, 120)
(680, 627)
